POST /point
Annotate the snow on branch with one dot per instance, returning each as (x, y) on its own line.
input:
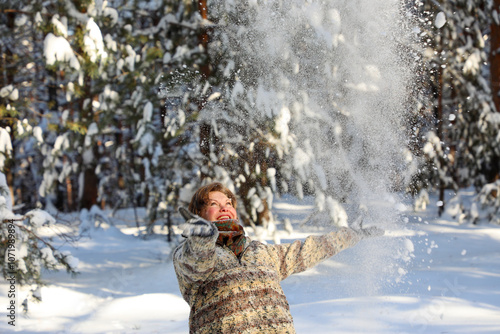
(57, 48)
(5, 146)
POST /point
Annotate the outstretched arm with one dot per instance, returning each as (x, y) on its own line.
(299, 256)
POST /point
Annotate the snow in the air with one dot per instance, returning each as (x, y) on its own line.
(440, 20)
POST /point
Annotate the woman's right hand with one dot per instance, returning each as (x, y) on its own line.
(196, 226)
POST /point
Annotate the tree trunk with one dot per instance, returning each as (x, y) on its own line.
(90, 182)
(495, 58)
(9, 76)
(439, 129)
(90, 179)
(205, 128)
(495, 73)
(203, 37)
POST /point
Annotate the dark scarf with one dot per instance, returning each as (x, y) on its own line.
(232, 235)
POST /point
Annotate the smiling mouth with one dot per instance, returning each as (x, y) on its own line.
(225, 217)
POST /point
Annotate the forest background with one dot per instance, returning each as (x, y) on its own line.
(115, 104)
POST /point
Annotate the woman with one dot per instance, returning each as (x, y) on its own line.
(232, 283)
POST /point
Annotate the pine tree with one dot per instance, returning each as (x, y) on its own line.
(20, 103)
(92, 128)
(285, 113)
(462, 148)
(435, 169)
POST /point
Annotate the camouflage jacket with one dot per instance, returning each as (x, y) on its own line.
(243, 295)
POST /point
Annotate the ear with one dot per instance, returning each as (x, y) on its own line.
(185, 213)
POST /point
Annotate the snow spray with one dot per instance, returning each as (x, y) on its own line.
(331, 76)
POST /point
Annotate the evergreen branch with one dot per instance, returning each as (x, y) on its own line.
(164, 22)
(10, 10)
(33, 235)
(30, 232)
(18, 11)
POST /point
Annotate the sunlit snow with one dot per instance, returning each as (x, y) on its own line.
(127, 284)
(57, 48)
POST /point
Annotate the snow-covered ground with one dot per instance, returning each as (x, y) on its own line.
(427, 275)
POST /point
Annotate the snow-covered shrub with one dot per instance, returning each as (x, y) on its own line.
(93, 219)
(23, 252)
(421, 201)
(489, 199)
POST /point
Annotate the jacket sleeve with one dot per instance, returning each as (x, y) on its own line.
(194, 260)
(299, 256)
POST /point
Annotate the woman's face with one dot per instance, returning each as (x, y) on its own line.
(218, 207)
